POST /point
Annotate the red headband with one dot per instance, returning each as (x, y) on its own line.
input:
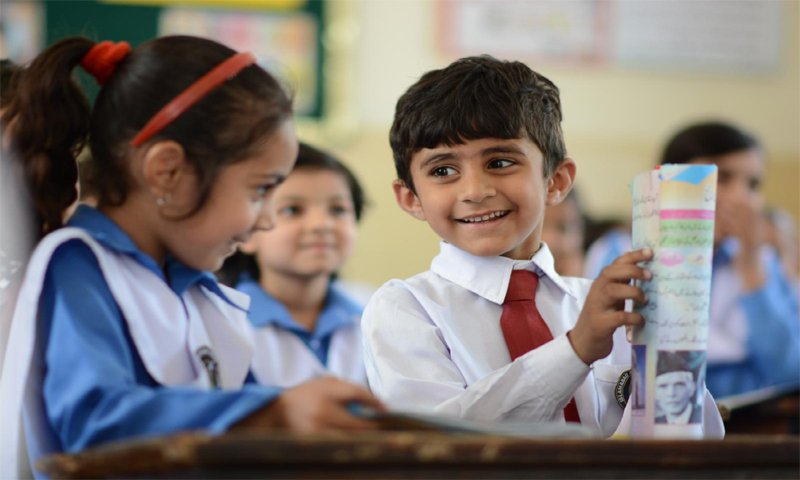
(102, 59)
(196, 91)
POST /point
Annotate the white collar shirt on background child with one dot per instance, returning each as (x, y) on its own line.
(286, 354)
(754, 337)
(433, 343)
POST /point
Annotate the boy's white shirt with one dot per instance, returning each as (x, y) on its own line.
(151, 310)
(433, 343)
(283, 360)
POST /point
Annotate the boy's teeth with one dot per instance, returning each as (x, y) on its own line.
(483, 218)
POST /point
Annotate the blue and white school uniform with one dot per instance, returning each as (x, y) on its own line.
(287, 354)
(106, 346)
(754, 337)
(433, 343)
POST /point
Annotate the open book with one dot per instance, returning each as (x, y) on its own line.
(395, 420)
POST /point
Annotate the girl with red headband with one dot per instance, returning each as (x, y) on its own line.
(119, 330)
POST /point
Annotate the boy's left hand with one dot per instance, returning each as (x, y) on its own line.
(603, 312)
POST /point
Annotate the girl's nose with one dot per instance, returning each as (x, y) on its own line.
(266, 219)
(319, 218)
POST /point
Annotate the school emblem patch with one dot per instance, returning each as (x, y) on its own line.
(622, 390)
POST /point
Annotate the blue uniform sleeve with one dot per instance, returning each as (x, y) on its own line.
(773, 345)
(604, 251)
(95, 386)
(772, 317)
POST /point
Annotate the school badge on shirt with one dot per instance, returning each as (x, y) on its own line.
(622, 389)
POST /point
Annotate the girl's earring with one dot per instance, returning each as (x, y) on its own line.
(163, 200)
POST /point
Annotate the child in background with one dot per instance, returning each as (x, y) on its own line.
(18, 232)
(563, 232)
(479, 154)
(305, 326)
(610, 240)
(754, 332)
(119, 330)
(782, 236)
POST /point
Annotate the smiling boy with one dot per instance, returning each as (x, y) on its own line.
(479, 155)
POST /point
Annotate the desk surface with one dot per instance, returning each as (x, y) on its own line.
(430, 455)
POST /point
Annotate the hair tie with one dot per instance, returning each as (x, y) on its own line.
(102, 59)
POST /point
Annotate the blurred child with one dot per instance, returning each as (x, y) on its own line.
(492, 331)
(305, 325)
(119, 330)
(18, 232)
(782, 236)
(754, 332)
(563, 232)
(606, 240)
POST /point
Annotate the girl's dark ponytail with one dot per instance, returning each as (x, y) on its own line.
(48, 122)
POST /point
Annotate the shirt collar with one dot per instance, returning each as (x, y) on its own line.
(264, 309)
(339, 311)
(179, 276)
(488, 277)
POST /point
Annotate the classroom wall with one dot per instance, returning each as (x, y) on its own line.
(615, 121)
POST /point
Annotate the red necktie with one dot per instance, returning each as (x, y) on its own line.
(523, 327)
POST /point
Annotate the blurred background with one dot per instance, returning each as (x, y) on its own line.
(631, 72)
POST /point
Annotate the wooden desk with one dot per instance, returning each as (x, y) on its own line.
(431, 455)
(773, 410)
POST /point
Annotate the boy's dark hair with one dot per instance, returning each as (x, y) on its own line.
(53, 119)
(240, 265)
(477, 97)
(706, 139)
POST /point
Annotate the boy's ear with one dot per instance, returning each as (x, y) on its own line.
(560, 182)
(164, 166)
(407, 199)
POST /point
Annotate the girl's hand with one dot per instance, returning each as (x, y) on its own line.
(603, 312)
(315, 406)
(746, 222)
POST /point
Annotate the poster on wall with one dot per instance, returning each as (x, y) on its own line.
(285, 43)
(740, 36)
(561, 32)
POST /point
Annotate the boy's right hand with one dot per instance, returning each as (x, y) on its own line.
(315, 406)
(604, 309)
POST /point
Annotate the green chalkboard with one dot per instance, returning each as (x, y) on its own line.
(136, 24)
(100, 21)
